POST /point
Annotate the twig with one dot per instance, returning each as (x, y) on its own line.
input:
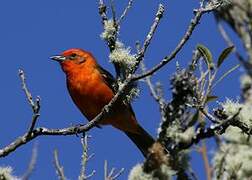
(208, 115)
(157, 97)
(213, 129)
(226, 74)
(180, 45)
(203, 151)
(112, 5)
(34, 105)
(149, 36)
(102, 11)
(32, 163)
(111, 175)
(125, 11)
(59, 168)
(85, 158)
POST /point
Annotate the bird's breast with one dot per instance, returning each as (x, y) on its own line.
(89, 92)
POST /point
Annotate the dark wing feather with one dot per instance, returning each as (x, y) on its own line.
(108, 79)
(111, 82)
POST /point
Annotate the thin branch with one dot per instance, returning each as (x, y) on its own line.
(112, 5)
(102, 11)
(111, 175)
(85, 158)
(105, 169)
(59, 168)
(208, 115)
(32, 163)
(226, 74)
(159, 99)
(34, 105)
(208, 169)
(125, 11)
(193, 24)
(215, 129)
(149, 36)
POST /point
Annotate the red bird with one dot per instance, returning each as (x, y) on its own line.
(91, 88)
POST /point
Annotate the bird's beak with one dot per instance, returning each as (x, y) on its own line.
(58, 58)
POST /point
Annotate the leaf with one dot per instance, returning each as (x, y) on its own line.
(206, 54)
(211, 98)
(224, 55)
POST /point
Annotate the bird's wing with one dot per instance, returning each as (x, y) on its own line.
(108, 79)
(111, 82)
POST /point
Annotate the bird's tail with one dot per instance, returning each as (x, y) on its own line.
(143, 140)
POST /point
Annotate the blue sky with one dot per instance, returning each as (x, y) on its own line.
(31, 31)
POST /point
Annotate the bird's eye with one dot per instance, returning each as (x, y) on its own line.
(73, 56)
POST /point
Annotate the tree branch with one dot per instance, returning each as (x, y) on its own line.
(193, 24)
(215, 129)
(111, 175)
(125, 11)
(148, 38)
(157, 97)
(34, 105)
(102, 11)
(208, 169)
(32, 163)
(59, 168)
(85, 158)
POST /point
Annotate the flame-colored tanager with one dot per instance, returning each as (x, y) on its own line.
(91, 88)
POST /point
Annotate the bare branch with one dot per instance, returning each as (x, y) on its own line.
(112, 5)
(215, 129)
(149, 36)
(203, 151)
(226, 74)
(32, 163)
(208, 115)
(102, 11)
(59, 168)
(34, 105)
(125, 11)
(157, 97)
(193, 24)
(27, 92)
(85, 158)
(111, 175)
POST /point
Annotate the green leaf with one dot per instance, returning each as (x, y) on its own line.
(224, 55)
(211, 98)
(206, 54)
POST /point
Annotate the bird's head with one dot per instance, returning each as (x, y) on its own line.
(74, 59)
